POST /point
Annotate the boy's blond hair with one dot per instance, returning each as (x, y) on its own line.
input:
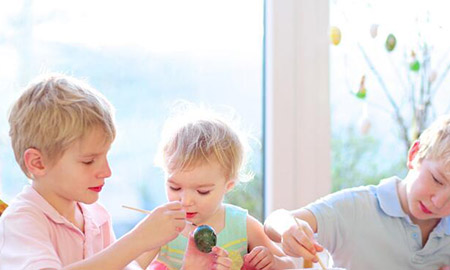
(198, 136)
(53, 112)
(434, 142)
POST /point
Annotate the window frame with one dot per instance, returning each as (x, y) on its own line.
(297, 132)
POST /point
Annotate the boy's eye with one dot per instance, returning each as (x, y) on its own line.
(437, 181)
(203, 192)
(174, 188)
(88, 162)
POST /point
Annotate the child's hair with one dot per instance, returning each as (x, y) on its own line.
(197, 135)
(53, 112)
(434, 142)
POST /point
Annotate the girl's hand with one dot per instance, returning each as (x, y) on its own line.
(162, 225)
(260, 258)
(194, 259)
(298, 241)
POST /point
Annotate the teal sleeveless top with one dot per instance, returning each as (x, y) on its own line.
(233, 238)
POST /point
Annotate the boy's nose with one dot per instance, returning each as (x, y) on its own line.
(106, 170)
(441, 199)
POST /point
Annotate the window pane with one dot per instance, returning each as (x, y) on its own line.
(380, 88)
(143, 55)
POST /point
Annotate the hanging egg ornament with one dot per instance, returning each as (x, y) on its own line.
(364, 125)
(391, 41)
(374, 30)
(335, 35)
(432, 77)
(414, 65)
(362, 88)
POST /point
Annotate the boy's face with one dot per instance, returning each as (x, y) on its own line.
(428, 190)
(79, 174)
(200, 190)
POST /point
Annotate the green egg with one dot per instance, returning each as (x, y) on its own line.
(391, 41)
(205, 238)
(414, 66)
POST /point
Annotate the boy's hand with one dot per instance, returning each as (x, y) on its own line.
(194, 259)
(260, 258)
(162, 225)
(298, 241)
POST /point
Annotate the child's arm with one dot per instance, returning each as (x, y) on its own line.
(146, 258)
(161, 226)
(264, 254)
(280, 226)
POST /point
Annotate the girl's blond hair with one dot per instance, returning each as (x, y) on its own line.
(197, 135)
(53, 112)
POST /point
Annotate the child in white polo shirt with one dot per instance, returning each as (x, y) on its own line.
(398, 224)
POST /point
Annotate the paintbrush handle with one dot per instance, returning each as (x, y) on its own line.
(137, 209)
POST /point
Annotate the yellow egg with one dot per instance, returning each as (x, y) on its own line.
(335, 35)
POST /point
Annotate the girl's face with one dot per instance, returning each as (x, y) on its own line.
(200, 190)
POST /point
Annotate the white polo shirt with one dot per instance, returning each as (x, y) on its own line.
(366, 228)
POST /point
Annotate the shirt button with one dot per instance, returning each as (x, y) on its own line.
(415, 235)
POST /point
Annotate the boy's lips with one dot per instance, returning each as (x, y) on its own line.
(424, 208)
(96, 189)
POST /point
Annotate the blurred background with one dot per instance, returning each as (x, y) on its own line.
(145, 55)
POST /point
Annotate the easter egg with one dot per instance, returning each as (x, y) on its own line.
(335, 35)
(391, 41)
(415, 65)
(205, 238)
(374, 30)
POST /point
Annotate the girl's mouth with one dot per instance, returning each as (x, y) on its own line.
(190, 215)
(96, 189)
(424, 208)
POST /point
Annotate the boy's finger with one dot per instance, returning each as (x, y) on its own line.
(174, 205)
(304, 241)
(319, 248)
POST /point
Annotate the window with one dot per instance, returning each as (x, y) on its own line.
(389, 62)
(142, 55)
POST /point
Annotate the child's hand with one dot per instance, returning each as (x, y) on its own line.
(445, 267)
(298, 241)
(162, 225)
(194, 259)
(260, 258)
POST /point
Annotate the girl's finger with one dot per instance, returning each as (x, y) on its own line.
(254, 252)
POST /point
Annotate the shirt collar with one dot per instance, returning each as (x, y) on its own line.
(388, 197)
(390, 204)
(91, 216)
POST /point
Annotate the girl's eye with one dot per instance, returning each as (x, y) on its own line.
(88, 162)
(203, 192)
(174, 188)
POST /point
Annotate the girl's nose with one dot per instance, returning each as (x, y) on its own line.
(186, 198)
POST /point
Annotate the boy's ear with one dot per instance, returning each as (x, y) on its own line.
(34, 162)
(230, 185)
(412, 154)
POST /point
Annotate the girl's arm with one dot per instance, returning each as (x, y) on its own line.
(257, 238)
(146, 258)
